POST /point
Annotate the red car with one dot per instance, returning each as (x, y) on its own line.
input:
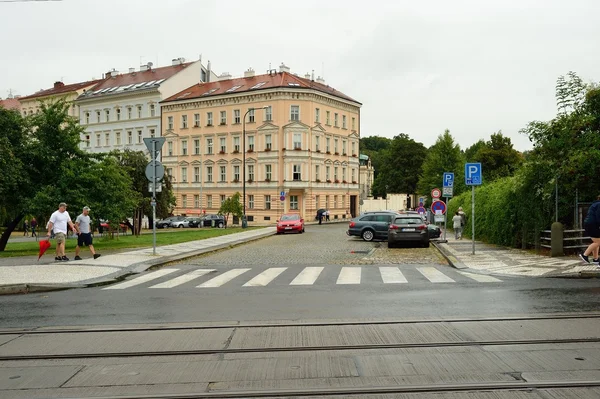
(290, 222)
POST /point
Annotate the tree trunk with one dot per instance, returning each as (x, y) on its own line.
(9, 229)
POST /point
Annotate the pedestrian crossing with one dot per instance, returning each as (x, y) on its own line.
(308, 276)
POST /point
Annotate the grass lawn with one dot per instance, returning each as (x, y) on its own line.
(123, 241)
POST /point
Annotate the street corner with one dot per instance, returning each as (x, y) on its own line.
(450, 259)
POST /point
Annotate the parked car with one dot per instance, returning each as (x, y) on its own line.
(105, 226)
(181, 223)
(434, 231)
(161, 224)
(371, 225)
(407, 228)
(219, 221)
(290, 222)
(194, 221)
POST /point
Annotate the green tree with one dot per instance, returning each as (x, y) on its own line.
(232, 206)
(498, 157)
(374, 143)
(471, 152)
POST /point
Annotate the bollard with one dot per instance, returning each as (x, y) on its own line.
(556, 239)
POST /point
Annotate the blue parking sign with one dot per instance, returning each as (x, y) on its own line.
(473, 174)
(448, 179)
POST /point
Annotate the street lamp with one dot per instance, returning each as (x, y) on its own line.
(244, 221)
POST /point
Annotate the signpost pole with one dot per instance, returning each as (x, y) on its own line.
(473, 216)
(445, 218)
(154, 199)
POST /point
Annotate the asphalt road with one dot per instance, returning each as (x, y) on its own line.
(322, 274)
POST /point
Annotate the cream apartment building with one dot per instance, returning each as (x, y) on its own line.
(301, 141)
(31, 104)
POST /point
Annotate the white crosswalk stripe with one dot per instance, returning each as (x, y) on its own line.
(434, 275)
(142, 279)
(392, 275)
(349, 275)
(183, 279)
(308, 276)
(223, 278)
(482, 278)
(265, 277)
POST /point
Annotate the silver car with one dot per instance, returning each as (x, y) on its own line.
(181, 223)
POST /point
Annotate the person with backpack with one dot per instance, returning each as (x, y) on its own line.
(591, 225)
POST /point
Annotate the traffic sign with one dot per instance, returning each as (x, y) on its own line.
(448, 191)
(159, 141)
(473, 174)
(438, 207)
(282, 198)
(436, 193)
(421, 210)
(158, 187)
(155, 169)
(448, 179)
(282, 194)
(421, 200)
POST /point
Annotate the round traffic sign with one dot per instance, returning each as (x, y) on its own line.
(436, 193)
(421, 210)
(438, 206)
(156, 169)
(282, 197)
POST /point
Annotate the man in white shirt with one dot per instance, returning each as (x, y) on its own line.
(58, 223)
(85, 234)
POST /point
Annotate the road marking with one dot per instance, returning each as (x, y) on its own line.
(142, 279)
(349, 275)
(434, 275)
(308, 276)
(392, 275)
(223, 278)
(265, 277)
(482, 278)
(183, 279)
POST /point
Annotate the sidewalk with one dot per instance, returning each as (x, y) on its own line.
(491, 259)
(26, 274)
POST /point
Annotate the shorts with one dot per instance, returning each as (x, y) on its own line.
(592, 230)
(60, 238)
(84, 239)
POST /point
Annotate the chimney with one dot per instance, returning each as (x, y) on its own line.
(284, 68)
(225, 76)
(208, 72)
(249, 73)
(58, 85)
(131, 70)
(112, 73)
(177, 61)
(320, 80)
(307, 76)
(144, 67)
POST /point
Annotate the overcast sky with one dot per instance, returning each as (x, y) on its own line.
(471, 66)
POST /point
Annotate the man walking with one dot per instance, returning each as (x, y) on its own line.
(592, 229)
(85, 234)
(58, 223)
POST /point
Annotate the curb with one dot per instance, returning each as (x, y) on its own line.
(452, 260)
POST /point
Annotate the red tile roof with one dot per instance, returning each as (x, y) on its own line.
(60, 88)
(258, 82)
(10, 103)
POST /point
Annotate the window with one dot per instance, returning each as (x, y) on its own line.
(327, 145)
(87, 141)
(222, 198)
(353, 175)
(140, 139)
(196, 176)
(353, 123)
(327, 118)
(118, 114)
(139, 111)
(236, 173)
(297, 169)
(152, 132)
(343, 121)
(317, 169)
(335, 173)
(268, 143)
(209, 171)
(295, 113)
(335, 201)
(87, 118)
(209, 146)
(343, 173)
(196, 201)
(236, 116)
(152, 110)
(250, 143)
(98, 116)
(169, 172)
(294, 202)
(251, 202)
(107, 115)
(268, 172)
(353, 148)
(184, 174)
(327, 202)
(343, 147)
(223, 117)
(223, 173)
(170, 148)
(250, 172)
(196, 146)
(170, 123)
(317, 201)
(209, 201)
(129, 137)
(107, 139)
(184, 147)
(128, 112)
(184, 201)
(222, 144)
(269, 113)
(335, 146)
(317, 115)
(317, 144)
(118, 138)
(236, 144)
(267, 202)
(98, 140)
(297, 141)
(327, 173)
(251, 116)
(196, 120)
(335, 119)
(209, 121)
(184, 122)
(343, 201)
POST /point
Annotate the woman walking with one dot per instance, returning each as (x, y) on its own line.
(592, 229)
(457, 224)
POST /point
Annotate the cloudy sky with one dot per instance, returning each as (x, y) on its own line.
(471, 66)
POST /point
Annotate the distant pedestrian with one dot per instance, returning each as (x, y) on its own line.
(327, 215)
(591, 225)
(25, 228)
(51, 230)
(33, 225)
(320, 217)
(58, 223)
(463, 217)
(82, 223)
(457, 225)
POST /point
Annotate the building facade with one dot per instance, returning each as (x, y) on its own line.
(31, 104)
(123, 109)
(301, 146)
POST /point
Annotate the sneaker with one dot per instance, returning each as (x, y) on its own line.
(77, 257)
(96, 256)
(584, 258)
(64, 259)
(58, 259)
(596, 261)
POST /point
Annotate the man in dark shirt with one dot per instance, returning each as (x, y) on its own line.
(592, 229)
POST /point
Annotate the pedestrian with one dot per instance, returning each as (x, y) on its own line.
(591, 225)
(327, 215)
(320, 217)
(58, 223)
(82, 223)
(457, 224)
(463, 217)
(33, 225)
(25, 228)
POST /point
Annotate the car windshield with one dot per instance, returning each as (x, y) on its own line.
(410, 220)
(290, 217)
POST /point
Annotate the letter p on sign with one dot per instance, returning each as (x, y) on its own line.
(473, 174)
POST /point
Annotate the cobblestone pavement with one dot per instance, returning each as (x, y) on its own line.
(324, 244)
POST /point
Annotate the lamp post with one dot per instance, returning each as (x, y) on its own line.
(244, 221)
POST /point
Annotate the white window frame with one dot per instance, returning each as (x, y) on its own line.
(236, 173)
(251, 118)
(196, 146)
(223, 144)
(170, 123)
(250, 143)
(209, 119)
(170, 148)
(297, 172)
(222, 173)
(236, 144)
(196, 120)
(196, 175)
(268, 114)
(294, 112)
(267, 202)
(294, 202)
(236, 116)
(129, 137)
(184, 174)
(209, 146)
(209, 201)
(140, 137)
(317, 115)
(268, 172)
(251, 201)
(250, 172)
(117, 138)
(152, 110)
(209, 175)
(268, 142)
(223, 118)
(184, 122)
(184, 147)
(297, 140)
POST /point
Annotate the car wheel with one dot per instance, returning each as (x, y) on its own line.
(220, 225)
(426, 244)
(391, 244)
(180, 226)
(367, 235)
